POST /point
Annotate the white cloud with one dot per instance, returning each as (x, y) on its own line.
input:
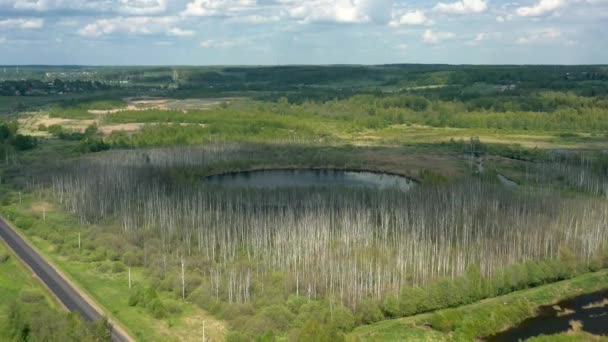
(220, 44)
(51, 5)
(435, 37)
(540, 8)
(129, 25)
(175, 31)
(22, 23)
(36, 5)
(462, 7)
(211, 8)
(480, 37)
(139, 7)
(504, 18)
(130, 7)
(340, 11)
(416, 17)
(542, 36)
(257, 19)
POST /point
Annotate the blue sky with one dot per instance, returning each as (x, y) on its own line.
(229, 32)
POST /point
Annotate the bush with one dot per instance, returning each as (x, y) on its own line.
(368, 311)
(4, 258)
(313, 330)
(280, 316)
(103, 267)
(445, 320)
(391, 307)
(31, 296)
(92, 145)
(234, 336)
(133, 258)
(411, 300)
(24, 142)
(294, 303)
(118, 267)
(205, 298)
(24, 222)
(55, 130)
(173, 307)
(341, 318)
(157, 309)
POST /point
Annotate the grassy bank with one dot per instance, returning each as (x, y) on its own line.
(15, 279)
(480, 319)
(104, 278)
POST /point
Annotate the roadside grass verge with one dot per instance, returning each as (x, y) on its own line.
(104, 276)
(16, 279)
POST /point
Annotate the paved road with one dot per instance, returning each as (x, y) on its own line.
(55, 282)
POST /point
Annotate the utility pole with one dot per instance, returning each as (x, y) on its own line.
(129, 278)
(78, 240)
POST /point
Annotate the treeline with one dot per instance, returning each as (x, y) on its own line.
(11, 141)
(34, 87)
(88, 141)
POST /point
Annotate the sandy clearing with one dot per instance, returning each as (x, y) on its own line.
(128, 128)
(135, 127)
(40, 207)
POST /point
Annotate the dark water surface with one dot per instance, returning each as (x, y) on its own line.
(271, 179)
(556, 319)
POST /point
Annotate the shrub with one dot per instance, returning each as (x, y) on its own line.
(133, 258)
(173, 307)
(4, 258)
(234, 336)
(24, 222)
(445, 320)
(157, 308)
(341, 317)
(390, 307)
(294, 303)
(103, 267)
(118, 267)
(280, 316)
(30, 296)
(55, 130)
(24, 142)
(368, 311)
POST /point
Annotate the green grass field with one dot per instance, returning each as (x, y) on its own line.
(480, 319)
(14, 279)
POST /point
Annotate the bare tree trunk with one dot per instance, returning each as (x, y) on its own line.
(183, 280)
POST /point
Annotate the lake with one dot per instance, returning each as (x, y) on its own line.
(272, 179)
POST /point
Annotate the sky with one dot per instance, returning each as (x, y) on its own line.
(271, 32)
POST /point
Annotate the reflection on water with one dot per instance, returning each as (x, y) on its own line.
(270, 179)
(591, 310)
